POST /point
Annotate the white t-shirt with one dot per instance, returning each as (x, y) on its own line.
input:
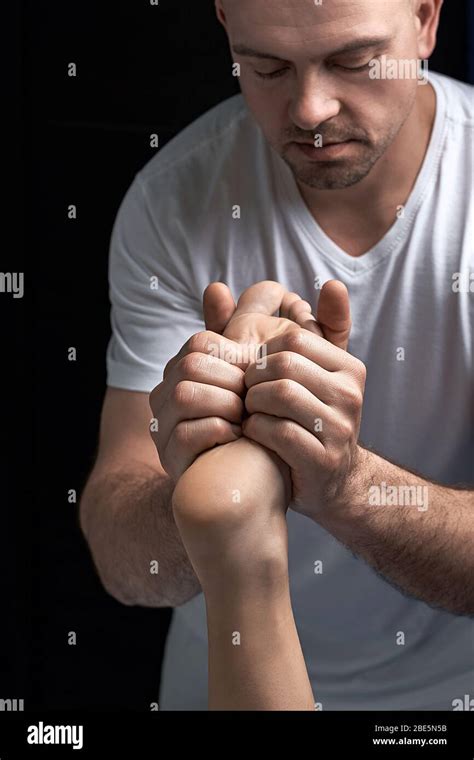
(176, 223)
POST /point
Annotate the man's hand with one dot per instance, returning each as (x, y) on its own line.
(199, 404)
(306, 406)
(304, 397)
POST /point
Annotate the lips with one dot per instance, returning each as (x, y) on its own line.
(325, 144)
(327, 152)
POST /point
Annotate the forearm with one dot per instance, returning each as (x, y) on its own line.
(419, 535)
(127, 520)
(255, 657)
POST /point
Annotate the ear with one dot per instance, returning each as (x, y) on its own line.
(220, 13)
(427, 14)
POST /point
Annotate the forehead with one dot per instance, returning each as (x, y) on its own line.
(299, 23)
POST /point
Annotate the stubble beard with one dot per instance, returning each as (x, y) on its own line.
(342, 173)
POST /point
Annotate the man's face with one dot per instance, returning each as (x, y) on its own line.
(316, 85)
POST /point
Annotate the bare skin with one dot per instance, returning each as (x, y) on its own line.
(230, 507)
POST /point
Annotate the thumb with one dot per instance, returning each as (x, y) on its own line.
(218, 306)
(334, 314)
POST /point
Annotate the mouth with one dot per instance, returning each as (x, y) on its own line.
(328, 142)
(328, 151)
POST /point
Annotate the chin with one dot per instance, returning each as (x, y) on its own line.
(331, 179)
(329, 176)
(332, 175)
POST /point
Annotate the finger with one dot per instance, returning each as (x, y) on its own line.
(218, 306)
(207, 369)
(293, 366)
(190, 400)
(263, 297)
(199, 368)
(191, 437)
(212, 344)
(289, 400)
(290, 441)
(313, 347)
(334, 314)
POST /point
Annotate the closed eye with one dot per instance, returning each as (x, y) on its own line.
(281, 72)
(271, 75)
(353, 68)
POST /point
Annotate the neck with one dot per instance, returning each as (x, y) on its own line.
(401, 163)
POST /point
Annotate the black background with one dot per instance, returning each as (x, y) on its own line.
(141, 69)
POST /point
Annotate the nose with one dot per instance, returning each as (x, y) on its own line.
(313, 102)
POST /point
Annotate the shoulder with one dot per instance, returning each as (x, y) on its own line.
(180, 199)
(459, 99)
(212, 135)
(455, 99)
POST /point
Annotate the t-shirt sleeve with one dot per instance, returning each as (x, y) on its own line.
(153, 307)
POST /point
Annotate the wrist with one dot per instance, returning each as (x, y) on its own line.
(349, 503)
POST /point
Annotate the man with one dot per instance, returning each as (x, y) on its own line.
(381, 559)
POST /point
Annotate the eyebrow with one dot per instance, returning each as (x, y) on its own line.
(350, 47)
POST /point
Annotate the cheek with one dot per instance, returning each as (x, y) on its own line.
(268, 106)
(382, 105)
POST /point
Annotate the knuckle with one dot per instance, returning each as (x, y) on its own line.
(284, 362)
(181, 433)
(183, 393)
(220, 431)
(287, 433)
(359, 371)
(285, 388)
(252, 424)
(353, 397)
(295, 341)
(332, 460)
(219, 426)
(207, 336)
(345, 429)
(190, 364)
(198, 342)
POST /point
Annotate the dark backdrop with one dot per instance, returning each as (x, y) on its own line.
(140, 69)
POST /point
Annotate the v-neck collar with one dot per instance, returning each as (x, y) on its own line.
(293, 204)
